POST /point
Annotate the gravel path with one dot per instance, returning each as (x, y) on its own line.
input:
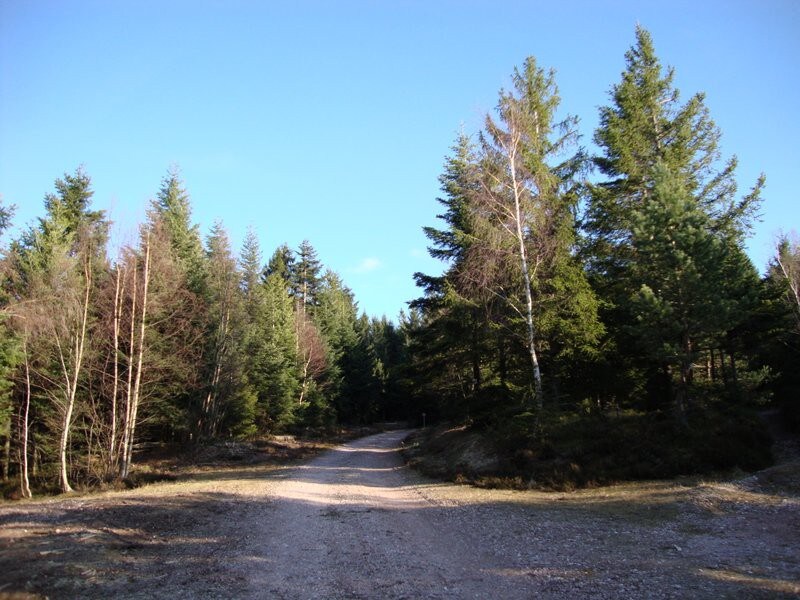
(355, 523)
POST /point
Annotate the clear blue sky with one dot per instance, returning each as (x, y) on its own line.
(330, 120)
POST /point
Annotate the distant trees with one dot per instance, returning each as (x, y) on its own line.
(171, 340)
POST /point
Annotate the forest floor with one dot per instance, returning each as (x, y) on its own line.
(355, 522)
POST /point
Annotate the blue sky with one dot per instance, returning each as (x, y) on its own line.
(330, 121)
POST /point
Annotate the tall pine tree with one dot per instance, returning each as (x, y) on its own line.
(658, 157)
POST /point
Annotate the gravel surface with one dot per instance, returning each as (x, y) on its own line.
(356, 523)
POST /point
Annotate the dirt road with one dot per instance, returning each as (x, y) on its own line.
(355, 523)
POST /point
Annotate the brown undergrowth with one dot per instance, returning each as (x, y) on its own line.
(597, 454)
(175, 462)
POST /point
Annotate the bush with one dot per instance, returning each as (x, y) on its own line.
(581, 450)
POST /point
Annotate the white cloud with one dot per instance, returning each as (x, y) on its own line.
(367, 265)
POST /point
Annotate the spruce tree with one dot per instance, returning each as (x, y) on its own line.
(251, 267)
(647, 138)
(224, 377)
(644, 126)
(457, 330)
(173, 206)
(281, 263)
(305, 276)
(271, 355)
(680, 264)
(170, 213)
(272, 344)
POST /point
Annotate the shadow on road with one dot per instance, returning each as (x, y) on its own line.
(187, 543)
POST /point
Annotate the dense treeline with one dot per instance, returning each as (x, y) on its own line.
(598, 314)
(172, 340)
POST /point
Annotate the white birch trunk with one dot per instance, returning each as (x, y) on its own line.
(794, 284)
(136, 365)
(25, 484)
(112, 446)
(140, 353)
(123, 468)
(71, 378)
(523, 256)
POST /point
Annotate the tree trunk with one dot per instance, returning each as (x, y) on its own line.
(7, 452)
(71, 379)
(476, 357)
(304, 382)
(62, 447)
(211, 409)
(722, 369)
(713, 362)
(134, 404)
(112, 449)
(734, 375)
(523, 257)
(685, 376)
(123, 467)
(502, 361)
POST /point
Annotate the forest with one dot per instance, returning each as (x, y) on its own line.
(596, 317)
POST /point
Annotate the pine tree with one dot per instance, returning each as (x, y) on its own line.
(643, 134)
(456, 331)
(780, 349)
(173, 206)
(180, 405)
(270, 353)
(10, 358)
(6, 215)
(281, 263)
(280, 376)
(305, 276)
(250, 266)
(10, 353)
(681, 266)
(224, 383)
(386, 342)
(335, 315)
(786, 266)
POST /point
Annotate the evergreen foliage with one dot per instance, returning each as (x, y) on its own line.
(642, 302)
(611, 322)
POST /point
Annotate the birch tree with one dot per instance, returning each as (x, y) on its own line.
(523, 212)
(787, 259)
(24, 423)
(139, 299)
(56, 265)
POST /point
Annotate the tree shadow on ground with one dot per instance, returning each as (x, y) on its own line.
(186, 542)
